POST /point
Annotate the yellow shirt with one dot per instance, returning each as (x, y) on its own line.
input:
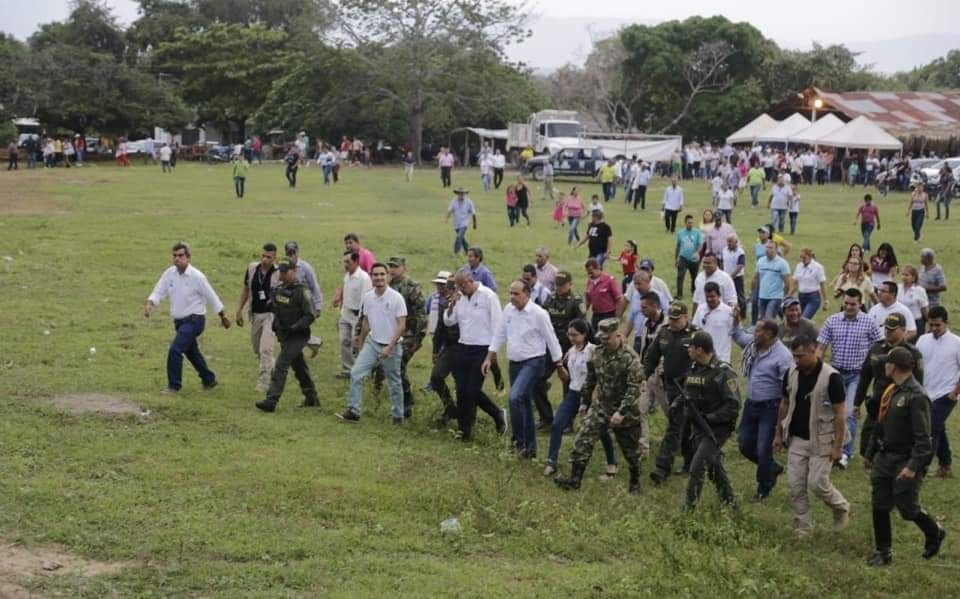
(527, 154)
(607, 173)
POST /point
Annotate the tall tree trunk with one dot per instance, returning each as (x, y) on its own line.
(416, 131)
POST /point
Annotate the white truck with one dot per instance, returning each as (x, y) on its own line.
(549, 131)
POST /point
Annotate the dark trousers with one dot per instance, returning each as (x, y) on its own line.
(676, 439)
(758, 424)
(741, 298)
(291, 355)
(608, 189)
(684, 266)
(596, 317)
(185, 344)
(497, 177)
(512, 216)
(808, 175)
(640, 195)
(916, 222)
(670, 220)
(866, 229)
(443, 368)
(292, 174)
(708, 461)
(470, 393)
(445, 176)
(890, 492)
(12, 164)
(939, 412)
(541, 400)
(238, 185)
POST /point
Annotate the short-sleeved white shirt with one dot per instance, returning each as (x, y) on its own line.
(382, 312)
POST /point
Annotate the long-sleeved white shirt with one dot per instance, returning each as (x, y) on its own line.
(528, 333)
(673, 198)
(728, 290)
(189, 292)
(354, 286)
(478, 316)
(719, 323)
(941, 363)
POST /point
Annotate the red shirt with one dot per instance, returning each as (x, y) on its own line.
(366, 260)
(868, 213)
(603, 293)
(628, 261)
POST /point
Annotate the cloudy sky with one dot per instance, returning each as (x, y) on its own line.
(892, 35)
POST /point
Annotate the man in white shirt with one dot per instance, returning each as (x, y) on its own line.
(733, 261)
(672, 204)
(355, 284)
(711, 273)
(526, 329)
(383, 318)
(189, 292)
(941, 380)
(716, 318)
(779, 202)
(475, 309)
(638, 185)
(888, 304)
(538, 293)
(486, 171)
(499, 162)
(165, 154)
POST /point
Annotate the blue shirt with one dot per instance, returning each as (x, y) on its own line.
(765, 370)
(483, 275)
(771, 274)
(461, 211)
(689, 242)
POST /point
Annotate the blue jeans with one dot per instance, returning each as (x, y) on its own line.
(460, 240)
(755, 195)
(601, 258)
(758, 424)
(524, 376)
(939, 412)
(866, 229)
(778, 218)
(851, 378)
(327, 169)
(573, 222)
(185, 344)
(367, 360)
(768, 308)
(486, 181)
(810, 303)
(563, 418)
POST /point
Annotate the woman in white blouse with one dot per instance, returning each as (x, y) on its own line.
(913, 296)
(574, 373)
(811, 282)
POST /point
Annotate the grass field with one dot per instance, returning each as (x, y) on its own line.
(206, 497)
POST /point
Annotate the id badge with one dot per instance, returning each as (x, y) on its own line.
(263, 296)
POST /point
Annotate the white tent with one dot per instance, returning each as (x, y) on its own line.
(825, 125)
(792, 125)
(861, 133)
(749, 132)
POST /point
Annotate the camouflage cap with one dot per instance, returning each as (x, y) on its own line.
(285, 264)
(396, 261)
(562, 278)
(894, 321)
(607, 327)
(676, 310)
(901, 357)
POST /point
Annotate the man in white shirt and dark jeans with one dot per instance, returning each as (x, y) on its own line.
(941, 380)
(888, 304)
(383, 318)
(475, 309)
(189, 292)
(526, 329)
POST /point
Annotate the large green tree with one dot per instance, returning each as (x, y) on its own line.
(415, 50)
(225, 71)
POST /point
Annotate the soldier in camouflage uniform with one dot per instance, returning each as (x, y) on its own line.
(712, 392)
(895, 334)
(670, 344)
(614, 372)
(416, 323)
(293, 313)
(899, 452)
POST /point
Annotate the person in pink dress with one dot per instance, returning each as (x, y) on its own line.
(512, 215)
(574, 209)
(558, 209)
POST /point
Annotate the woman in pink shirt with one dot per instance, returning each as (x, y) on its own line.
(868, 215)
(512, 215)
(574, 209)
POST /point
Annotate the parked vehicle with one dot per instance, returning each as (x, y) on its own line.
(573, 161)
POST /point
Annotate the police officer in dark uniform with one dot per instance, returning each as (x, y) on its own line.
(564, 306)
(445, 340)
(894, 330)
(899, 451)
(293, 312)
(712, 403)
(670, 345)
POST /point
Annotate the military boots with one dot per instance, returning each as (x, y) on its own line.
(576, 475)
(634, 480)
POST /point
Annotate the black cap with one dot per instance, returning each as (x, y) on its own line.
(285, 264)
(701, 339)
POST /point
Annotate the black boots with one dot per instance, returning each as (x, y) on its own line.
(933, 534)
(310, 402)
(635, 480)
(883, 539)
(576, 476)
(266, 405)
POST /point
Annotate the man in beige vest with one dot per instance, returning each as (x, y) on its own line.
(258, 282)
(812, 426)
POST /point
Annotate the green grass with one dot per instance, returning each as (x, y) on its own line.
(207, 497)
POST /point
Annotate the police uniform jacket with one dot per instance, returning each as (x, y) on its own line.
(293, 310)
(905, 429)
(712, 389)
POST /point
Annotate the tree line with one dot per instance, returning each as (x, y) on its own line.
(402, 71)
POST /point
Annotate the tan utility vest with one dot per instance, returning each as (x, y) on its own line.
(822, 416)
